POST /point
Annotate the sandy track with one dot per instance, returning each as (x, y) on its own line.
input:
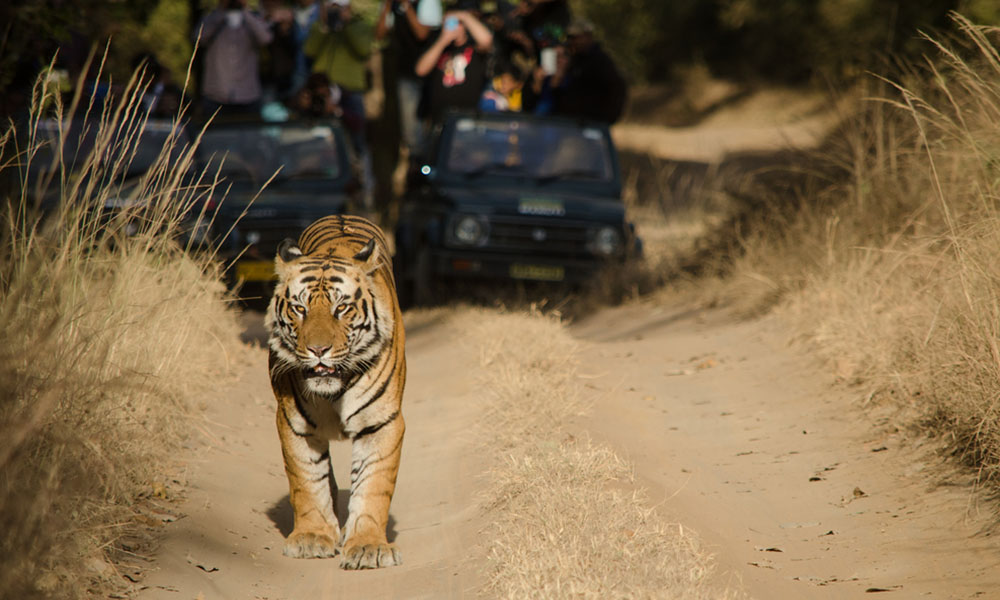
(228, 544)
(798, 492)
(734, 434)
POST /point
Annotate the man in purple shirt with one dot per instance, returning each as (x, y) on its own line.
(230, 37)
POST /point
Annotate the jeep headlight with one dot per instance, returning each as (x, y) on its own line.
(606, 241)
(470, 230)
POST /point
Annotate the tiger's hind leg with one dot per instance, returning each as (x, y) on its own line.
(311, 488)
(374, 465)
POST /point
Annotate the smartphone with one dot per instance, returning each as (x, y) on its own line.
(450, 23)
(548, 60)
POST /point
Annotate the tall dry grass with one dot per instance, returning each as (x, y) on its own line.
(110, 331)
(894, 272)
(565, 520)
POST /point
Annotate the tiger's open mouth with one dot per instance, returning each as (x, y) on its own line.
(321, 371)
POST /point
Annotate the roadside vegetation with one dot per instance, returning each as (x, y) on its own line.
(110, 329)
(886, 254)
(563, 516)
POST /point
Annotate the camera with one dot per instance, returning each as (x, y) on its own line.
(334, 19)
(399, 7)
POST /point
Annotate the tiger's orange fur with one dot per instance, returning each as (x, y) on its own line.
(337, 370)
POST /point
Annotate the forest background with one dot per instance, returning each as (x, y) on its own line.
(881, 246)
(822, 42)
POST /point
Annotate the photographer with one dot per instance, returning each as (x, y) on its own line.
(340, 44)
(317, 99)
(455, 64)
(230, 37)
(409, 23)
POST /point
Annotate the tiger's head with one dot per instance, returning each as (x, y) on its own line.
(326, 318)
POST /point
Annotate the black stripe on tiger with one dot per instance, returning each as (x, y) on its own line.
(373, 428)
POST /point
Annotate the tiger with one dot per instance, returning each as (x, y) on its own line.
(337, 369)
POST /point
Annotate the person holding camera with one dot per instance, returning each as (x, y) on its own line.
(339, 45)
(231, 36)
(408, 24)
(456, 65)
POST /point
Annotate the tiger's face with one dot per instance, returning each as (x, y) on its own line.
(324, 319)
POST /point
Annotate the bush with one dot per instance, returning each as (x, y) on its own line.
(109, 334)
(894, 273)
(777, 40)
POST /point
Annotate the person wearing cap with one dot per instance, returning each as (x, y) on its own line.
(588, 85)
(455, 65)
(339, 44)
(408, 24)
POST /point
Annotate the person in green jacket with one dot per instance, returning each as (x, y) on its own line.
(339, 45)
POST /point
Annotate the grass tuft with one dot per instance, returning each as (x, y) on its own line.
(892, 270)
(111, 329)
(565, 517)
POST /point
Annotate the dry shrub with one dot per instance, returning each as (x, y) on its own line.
(564, 519)
(110, 332)
(894, 272)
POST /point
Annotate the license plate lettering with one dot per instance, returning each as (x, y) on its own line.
(262, 270)
(541, 207)
(537, 272)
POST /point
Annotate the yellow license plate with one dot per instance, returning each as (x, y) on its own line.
(537, 272)
(257, 270)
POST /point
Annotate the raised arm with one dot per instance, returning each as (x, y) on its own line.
(258, 28)
(358, 36)
(208, 27)
(420, 30)
(382, 23)
(479, 32)
(428, 60)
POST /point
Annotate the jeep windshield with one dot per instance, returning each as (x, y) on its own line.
(544, 151)
(255, 152)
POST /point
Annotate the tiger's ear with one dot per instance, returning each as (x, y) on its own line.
(369, 256)
(288, 251)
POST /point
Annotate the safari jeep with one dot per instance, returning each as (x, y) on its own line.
(307, 165)
(511, 197)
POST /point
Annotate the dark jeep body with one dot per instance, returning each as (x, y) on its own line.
(306, 166)
(512, 197)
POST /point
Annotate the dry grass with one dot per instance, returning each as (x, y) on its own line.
(565, 519)
(108, 337)
(894, 272)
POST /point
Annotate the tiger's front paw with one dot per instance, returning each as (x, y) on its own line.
(370, 556)
(310, 545)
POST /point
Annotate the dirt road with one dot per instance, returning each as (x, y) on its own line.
(798, 491)
(228, 543)
(794, 488)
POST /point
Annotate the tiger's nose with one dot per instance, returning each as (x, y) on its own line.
(319, 350)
